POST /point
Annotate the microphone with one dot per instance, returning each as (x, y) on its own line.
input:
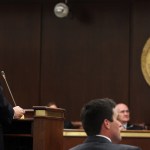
(3, 75)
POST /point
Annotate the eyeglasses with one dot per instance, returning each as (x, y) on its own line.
(124, 111)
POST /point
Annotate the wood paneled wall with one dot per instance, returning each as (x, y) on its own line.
(20, 46)
(139, 89)
(93, 53)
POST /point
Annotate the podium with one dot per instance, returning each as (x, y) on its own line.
(48, 128)
(41, 129)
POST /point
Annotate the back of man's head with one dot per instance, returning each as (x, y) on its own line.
(93, 114)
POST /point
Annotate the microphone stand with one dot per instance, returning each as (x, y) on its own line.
(3, 75)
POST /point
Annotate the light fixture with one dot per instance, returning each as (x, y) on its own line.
(61, 10)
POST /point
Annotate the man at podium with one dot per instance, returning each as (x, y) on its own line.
(7, 113)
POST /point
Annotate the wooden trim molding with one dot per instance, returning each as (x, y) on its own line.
(129, 133)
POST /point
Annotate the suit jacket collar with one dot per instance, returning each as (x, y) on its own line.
(96, 139)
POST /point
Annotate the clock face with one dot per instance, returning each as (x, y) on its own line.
(145, 61)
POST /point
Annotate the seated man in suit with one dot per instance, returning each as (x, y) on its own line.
(124, 118)
(99, 119)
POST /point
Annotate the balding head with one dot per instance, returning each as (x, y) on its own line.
(123, 113)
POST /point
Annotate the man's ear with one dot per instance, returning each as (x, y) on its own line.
(107, 124)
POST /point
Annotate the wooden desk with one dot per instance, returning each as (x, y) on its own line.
(139, 138)
(24, 135)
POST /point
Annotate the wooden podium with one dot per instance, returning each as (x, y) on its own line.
(41, 129)
(48, 128)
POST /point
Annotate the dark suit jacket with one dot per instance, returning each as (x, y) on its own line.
(68, 124)
(6, 115)
(134, 127)
(100, 143)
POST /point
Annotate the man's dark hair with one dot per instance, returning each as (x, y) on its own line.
(94, 112)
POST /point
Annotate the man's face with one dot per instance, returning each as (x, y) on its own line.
(123, 113)
(115, 128)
